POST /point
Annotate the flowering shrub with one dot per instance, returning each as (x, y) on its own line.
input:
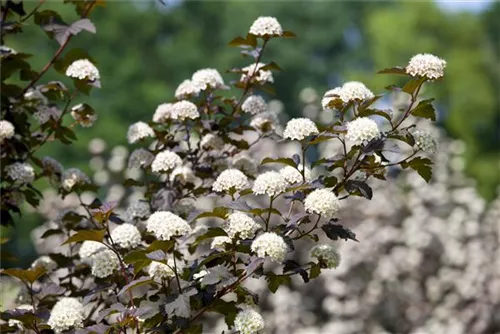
(168, 261)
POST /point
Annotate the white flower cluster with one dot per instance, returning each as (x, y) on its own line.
(160, 271)
(329, 96)
(66, 314)
(137, 210)
(241, 225)
(51, 166)
(72, 177)
(45, 262)
(256, 72)
(270, 245)
(126, 236)
(183, 174)
(166, 225)
(104, 263)
(425, 141)
(266, 26)
(230, 180)
(208, 78)
(88, 249)
(244, 163)
(361, 130)
(140, 158)
(426, 65)
(264, 122)
(6, 130)
(212, 142)
(166, 161)
(355, 91)
(184, 110)
(219, 242)
(248, 321)
(187, 88)
(322, 202)
(138, 131)
(293, 175)
(254, 105)
(326, 254)
(163, 112)
(270, 183)
(20, 172)
(300, 128)
(83, 69)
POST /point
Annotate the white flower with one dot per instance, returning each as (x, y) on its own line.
(104, 263)
(89, 249)
(7, 130)
(242, 225)
(426, 65)
(163, 112)
(244, 163)
(355, 90)
(72, 177)
(137, 210)
(248, 321)
(126, 236)
(230, 180)
(45, 262)
(293, 175)
(270, 183)
(330, 95)
(45, 113)
(300, 128)
(326, 254)
(187, 88)
(67, 313)
(266, 25)
(362, 130)
(270, 245)
(138, 131)
(322, 202)
(52, 167)
(160, 271)
(207, 77)
(140, 158)
(254, 104)
(254, 71)
(83, 69)
(184, 110)
(425, 141)
(25, 309)
(20, 172)
(219, 242)
(183, 174)
(166, 161)
(166, 225)
(264, 122)
(212, 142)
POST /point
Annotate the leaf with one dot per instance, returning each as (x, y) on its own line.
(227, 309)
(212, 257)
(321, 138)
(84, 235)
(285, 161)
(411, 86)
(132, 183)
(288, 34)
(336, 231)
(377, 112)
(83, 24)
(240, 205)
(49, 233)
(28, 275)
(218, 212)
(353, 186)
(238, 41)
(394, 70)
(179, 306)
(211, 233)
(135, 283)
(157, 255)
(164, 245)
(215, 275)
(425, 109)
(421, 165)
(315, 271)
(293, 266)
(274, 281)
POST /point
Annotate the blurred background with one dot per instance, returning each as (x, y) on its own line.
(144, 49)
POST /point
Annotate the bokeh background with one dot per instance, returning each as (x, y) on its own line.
(144, 49)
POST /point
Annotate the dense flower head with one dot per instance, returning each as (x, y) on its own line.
(248, 321)
(140, 158)
(425, 141)
(89, 249)
(166, 161)
(187, 88)
(327, 254)
(264, 122)
(355, 90)
(270, 245)
(244, 163)
(66, 314)
(212, 142)
(72, 177)
(266, 25)
(322, 202)
(254, 104)
(83, 69)
(256, 72)
(300, 128)
(330, 95)
(242, 225)
(138, 131)
(219, 242)
(46, 113)
(230, 180)
(7, 130)
(52, 167)
(163, 112)
(269, 183)
(207, 78)
(426, 65)
(361, 130)
(126, 236)
(184, 110)
(161, 271)
(183, 174)
(137, 210)
(293, 175)
(20, 172)
(104, 262)
(45, 262)
(165, 225)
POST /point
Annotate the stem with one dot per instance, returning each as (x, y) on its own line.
(33, 11)
(176, 273)
(303, 172)
(407, 113)
(271, 199)
(308, 232)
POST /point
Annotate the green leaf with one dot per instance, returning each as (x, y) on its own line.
(378, 112)
(394, 70)
(84, 235)
(321, 138)
(211, 233)
(28, 275)
(218, 212)
(238, 41)
(274, 281)
(315, 271)
(412, 85)
(135, 283)
(285, 161)
(164, 245)
(422, 166)
(288, 34)
(425, 109)
(227, 309)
